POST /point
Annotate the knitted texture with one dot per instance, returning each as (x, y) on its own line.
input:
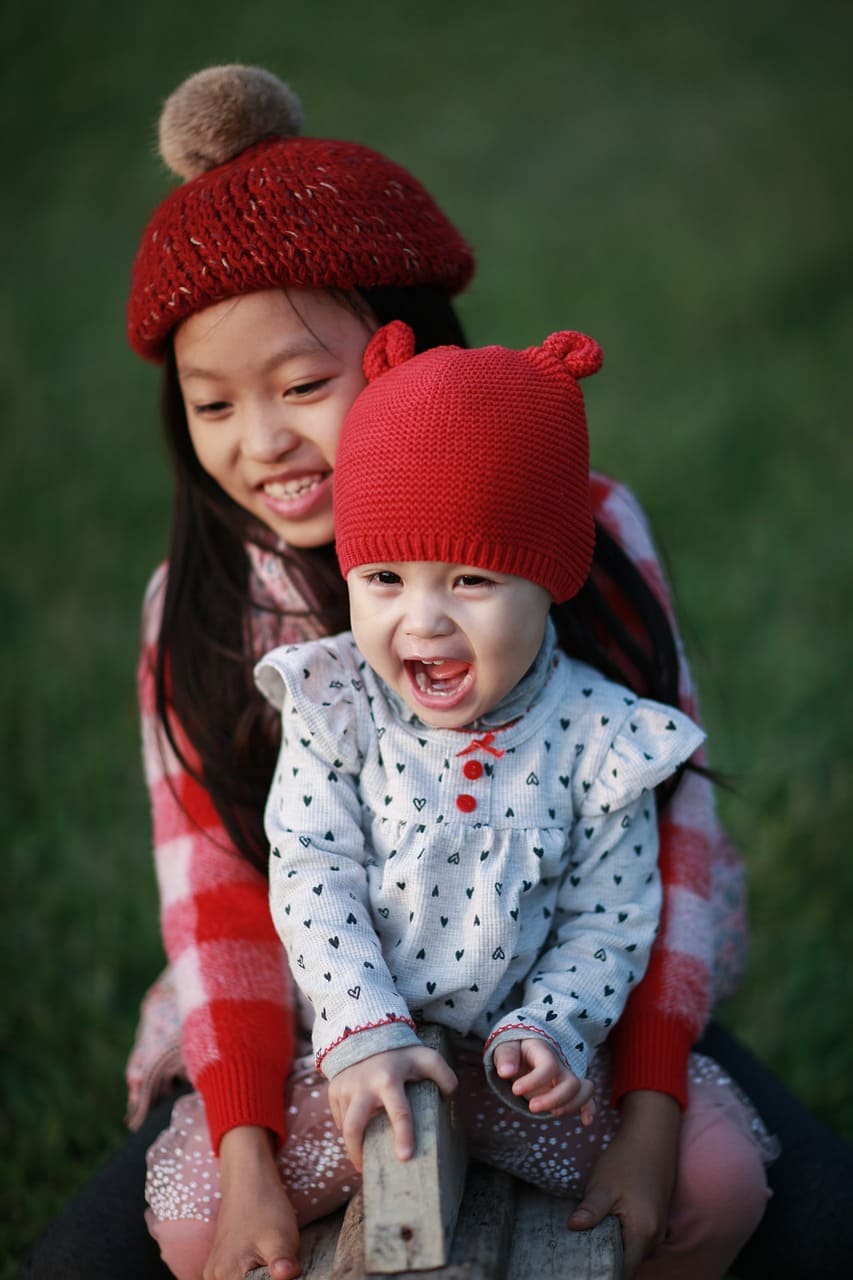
(289, 213)
(234, 992)
(476, 457)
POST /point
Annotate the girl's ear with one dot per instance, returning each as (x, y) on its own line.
(389, 347)
(578, 354)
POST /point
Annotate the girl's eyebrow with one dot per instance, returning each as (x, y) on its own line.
(303, 346)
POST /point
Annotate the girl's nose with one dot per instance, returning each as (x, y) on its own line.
(266, 435)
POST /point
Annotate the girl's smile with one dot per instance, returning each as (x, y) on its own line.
(267, 381)
(451, 640)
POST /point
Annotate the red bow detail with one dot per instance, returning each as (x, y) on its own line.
(481, 744)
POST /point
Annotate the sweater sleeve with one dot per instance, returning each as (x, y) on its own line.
(233, 988)
(668, 1010)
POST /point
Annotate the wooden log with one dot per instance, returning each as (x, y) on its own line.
(401, 1226)
(505, 1231)
(543, 1248)
(411, 1206)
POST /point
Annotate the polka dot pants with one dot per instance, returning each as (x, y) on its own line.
(556, 1155)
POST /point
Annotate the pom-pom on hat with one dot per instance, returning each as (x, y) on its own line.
(476, 457)
(262, 208)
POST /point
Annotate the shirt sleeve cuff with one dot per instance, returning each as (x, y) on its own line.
(358, 1045)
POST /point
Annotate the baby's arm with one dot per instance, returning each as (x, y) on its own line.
(608, 900)
(378, 1083)
(606, 914)
(539, 1075)
(318, 881)
(320, 904)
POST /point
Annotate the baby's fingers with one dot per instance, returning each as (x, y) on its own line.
(354, 1122)
(568, 1095)
(400, 1115)
(588, 1111)
(508, 1059)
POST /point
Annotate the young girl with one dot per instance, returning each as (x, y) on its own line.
(257, 286)
(462, 818)
(520, 908)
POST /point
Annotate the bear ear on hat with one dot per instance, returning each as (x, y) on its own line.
(579, 354)
(390, 346)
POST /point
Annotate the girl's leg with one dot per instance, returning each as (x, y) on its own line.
(184, 1244)
(721, 1192)
(100, 1234)
(808, 1227)
(183, 1173)
(720, 1196)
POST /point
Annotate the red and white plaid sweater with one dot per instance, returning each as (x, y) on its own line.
(235, 1006)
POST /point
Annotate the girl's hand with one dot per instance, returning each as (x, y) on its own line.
(634, 1178)
(540, 1076)
(378, 1083)
(256, 1225)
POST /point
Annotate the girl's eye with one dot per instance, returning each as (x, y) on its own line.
(473, 580)
(211, 408)
(303, 389)
(385, 578)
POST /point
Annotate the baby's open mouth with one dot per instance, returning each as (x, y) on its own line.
(443, 677)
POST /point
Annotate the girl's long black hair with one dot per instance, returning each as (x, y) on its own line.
(203, 666)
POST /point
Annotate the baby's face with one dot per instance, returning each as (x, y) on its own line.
(450, 639)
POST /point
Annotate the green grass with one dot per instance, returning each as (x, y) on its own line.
(673, 178)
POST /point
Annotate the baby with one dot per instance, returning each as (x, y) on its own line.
(462, 819)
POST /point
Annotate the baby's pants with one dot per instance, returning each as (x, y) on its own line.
(720, 1194)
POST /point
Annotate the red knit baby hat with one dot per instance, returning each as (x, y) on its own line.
(262, 208)
(474, 457)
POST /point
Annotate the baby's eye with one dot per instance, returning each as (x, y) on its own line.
(473, 580)
(385, 578)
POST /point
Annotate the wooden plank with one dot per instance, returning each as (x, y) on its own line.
(411, 1206)
(543, 1248)
(505, 1231)
(349, 1255)
(481, 1243)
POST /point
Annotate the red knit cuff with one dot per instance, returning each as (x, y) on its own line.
(242, 1093)
(651, 1053)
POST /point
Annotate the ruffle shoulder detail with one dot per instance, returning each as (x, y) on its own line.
(649, 746)
(317, 687)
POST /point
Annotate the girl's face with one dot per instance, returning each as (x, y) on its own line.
(451, 640)
(266, 384)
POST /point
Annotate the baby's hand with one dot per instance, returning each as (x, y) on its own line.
(378, 1083)
(540, 1076)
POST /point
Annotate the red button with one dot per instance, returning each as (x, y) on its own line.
(472, 769)
(466, 803)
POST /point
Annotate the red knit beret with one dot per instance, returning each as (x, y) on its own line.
(263, 208)
(474, 457)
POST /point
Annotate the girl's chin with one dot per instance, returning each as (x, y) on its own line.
(318, 531)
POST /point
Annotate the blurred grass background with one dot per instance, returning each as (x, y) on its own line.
(674, 179)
